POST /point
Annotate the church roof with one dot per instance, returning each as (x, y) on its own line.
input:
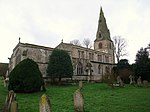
(32, 46)
(102, 31)
(70, 46)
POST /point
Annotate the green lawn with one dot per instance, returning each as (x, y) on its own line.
(97, 97)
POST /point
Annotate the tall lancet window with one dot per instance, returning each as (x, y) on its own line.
(79, 69)
(99, 69)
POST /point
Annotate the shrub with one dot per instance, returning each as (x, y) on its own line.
(25, 77)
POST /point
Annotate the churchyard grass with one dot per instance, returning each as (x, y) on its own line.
(97, 98)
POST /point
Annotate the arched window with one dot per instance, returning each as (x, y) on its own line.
(99, 57)
(107, 59)
(79, 69)
(100, 45)
(99, 69)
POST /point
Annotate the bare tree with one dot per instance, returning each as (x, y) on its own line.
(119, 47)
(87, 42)
(75, 42)
(148, 47)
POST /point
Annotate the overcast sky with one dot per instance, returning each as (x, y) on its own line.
(47, 22)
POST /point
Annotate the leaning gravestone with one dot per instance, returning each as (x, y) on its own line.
(45, 105)
(145, 83)
(78, 101)
(10, 98)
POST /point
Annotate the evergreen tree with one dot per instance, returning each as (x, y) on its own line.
(124, 70)
(25, 77)
(123, 64)
(142, 65)
(60, 65)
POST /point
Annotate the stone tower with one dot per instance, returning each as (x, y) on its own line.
(103, 41)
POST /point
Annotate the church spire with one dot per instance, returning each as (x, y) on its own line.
(102, 31)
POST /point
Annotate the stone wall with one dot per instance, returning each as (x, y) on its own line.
(40, 55)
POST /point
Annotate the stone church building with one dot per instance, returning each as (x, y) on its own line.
(88, 64)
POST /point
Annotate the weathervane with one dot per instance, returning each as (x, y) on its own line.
(62, 41)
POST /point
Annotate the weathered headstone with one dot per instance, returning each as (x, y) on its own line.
(110, 81)
(4, 83)
(119, 81)
(45, 105)
(14, 106)
(80, 84)
(145, 83)
(78, 101)
(9, 99)
(139, 81)
(132, 79)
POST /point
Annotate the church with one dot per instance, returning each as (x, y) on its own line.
(88, 64)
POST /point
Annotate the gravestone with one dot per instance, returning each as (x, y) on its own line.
(78, 101)
(145, 83)
(119, 81)
(110, 81)
(10, 98)
(132, 79)
(6, 81)
(14, 106)
(139, 81)
(80, 85)
(45, 105)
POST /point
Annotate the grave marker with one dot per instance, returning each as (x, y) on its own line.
(45, 105)
(78, 101)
